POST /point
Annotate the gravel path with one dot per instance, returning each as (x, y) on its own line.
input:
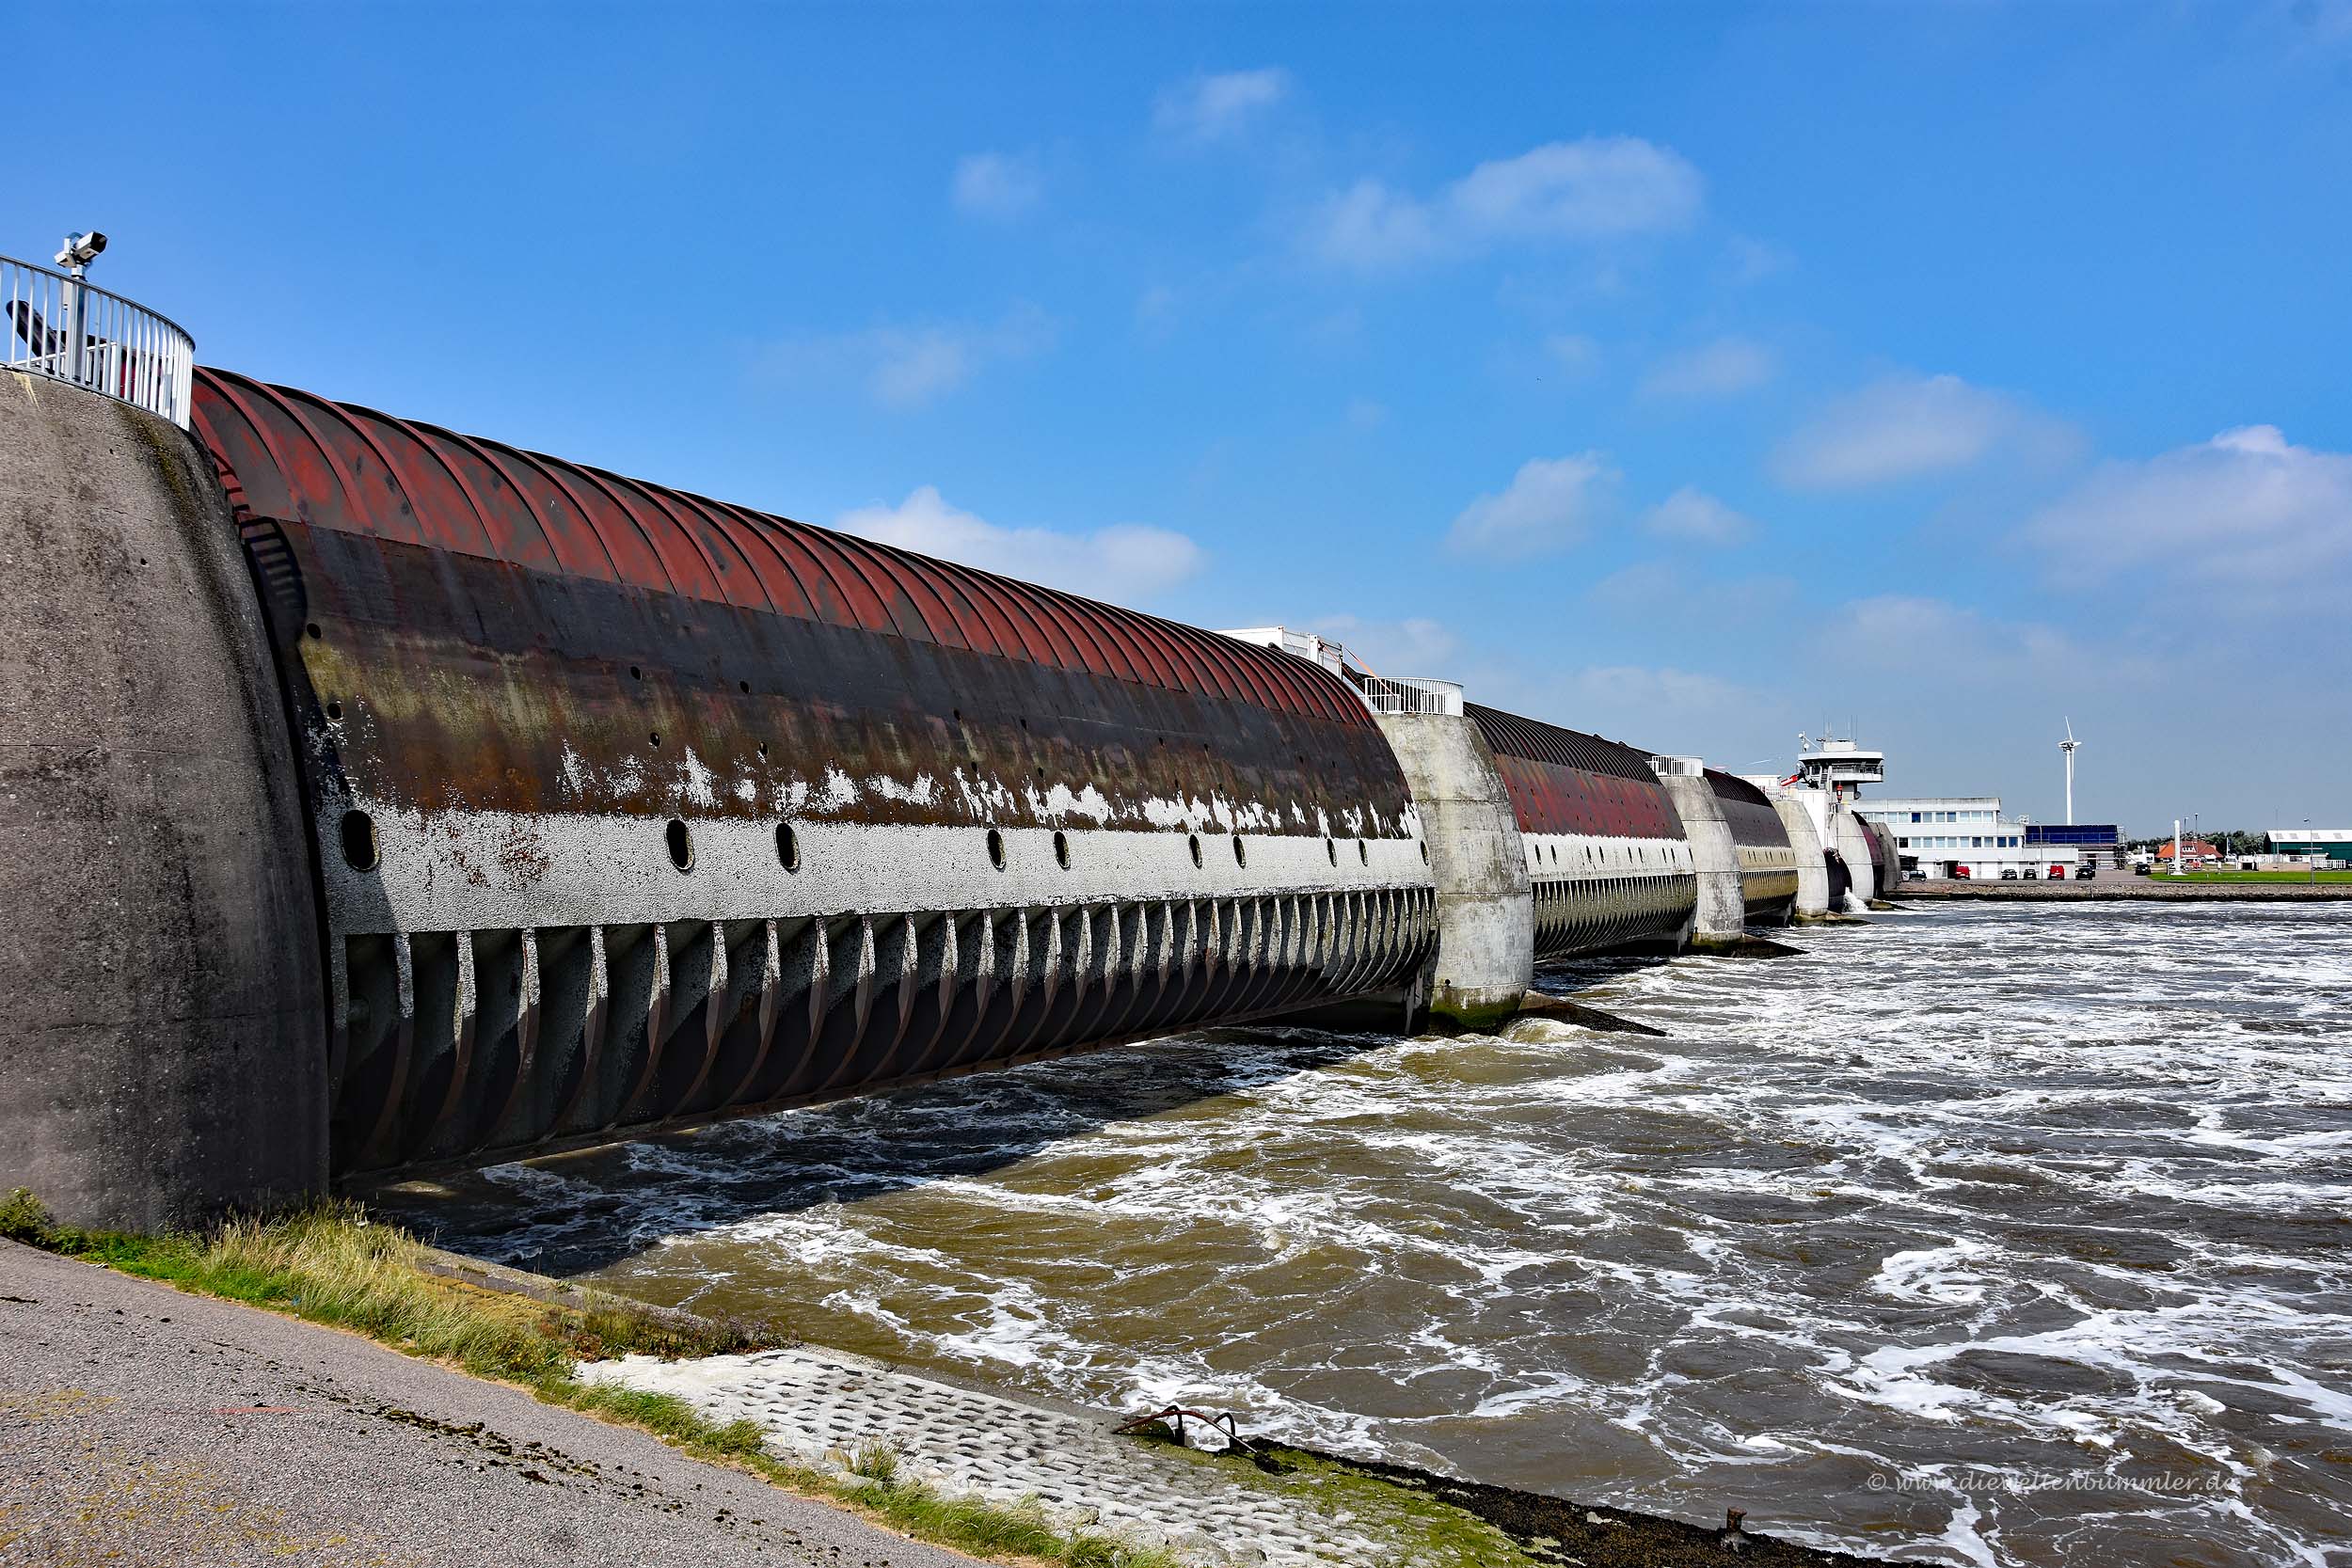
(141, 1426)
(816, 1405)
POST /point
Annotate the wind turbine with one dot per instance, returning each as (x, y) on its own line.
(2068, 746)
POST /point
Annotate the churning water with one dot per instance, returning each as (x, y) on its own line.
(2009, 1234)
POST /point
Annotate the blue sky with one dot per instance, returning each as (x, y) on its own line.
(1693, 373)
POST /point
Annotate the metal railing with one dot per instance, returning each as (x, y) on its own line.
(59, 325)
(1667, 766)
(1405, 694)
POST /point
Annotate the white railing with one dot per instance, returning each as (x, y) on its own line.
(1677, 768)
(1404, 694)
(59, 325)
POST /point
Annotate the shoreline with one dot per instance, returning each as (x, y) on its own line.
(2126, 889)
(1268, 1502)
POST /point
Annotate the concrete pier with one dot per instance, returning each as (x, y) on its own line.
(162, 1019)
(1485, 907)
(1797, 820)
(1720, 913)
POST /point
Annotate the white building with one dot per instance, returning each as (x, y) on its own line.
(1938, 835)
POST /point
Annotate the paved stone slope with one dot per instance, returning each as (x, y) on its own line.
(822, 1406)
(141, 1427)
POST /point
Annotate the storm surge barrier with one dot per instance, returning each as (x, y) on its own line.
(385, 799)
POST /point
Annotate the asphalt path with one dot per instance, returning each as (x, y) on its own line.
(139, 1425)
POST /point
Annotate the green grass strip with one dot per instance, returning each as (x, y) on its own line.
(332, 1264)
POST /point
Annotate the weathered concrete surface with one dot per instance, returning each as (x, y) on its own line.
(161, 1050)
(147, 1427)
(1859, 848)
(816, 1405)
(1805, 839)
(1485, 906)
(1723, 911)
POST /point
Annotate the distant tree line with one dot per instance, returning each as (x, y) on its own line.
(2229, 841)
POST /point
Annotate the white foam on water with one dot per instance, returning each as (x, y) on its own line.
(1978, 1197)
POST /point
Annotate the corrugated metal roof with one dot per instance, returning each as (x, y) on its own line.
(288, 453)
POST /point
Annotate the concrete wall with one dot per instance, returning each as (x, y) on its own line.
(1859, 848)
(1486, 908)
(1797, 810)
(1721, 912)
(161, 1053)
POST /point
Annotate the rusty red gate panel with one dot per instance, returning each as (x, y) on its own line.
(1768, 864)
(1606, 850)
(632, 807)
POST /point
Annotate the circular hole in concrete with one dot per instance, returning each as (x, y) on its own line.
(1062, 850)
(995, 848)
(653, 735)
(744, 687)
(334, 710)
(635, 673)
(681, 843)
(358, 834)
(787, 847)
(1195, 849)
(313, 629)
(1241, 856)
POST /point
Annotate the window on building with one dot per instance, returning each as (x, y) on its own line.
(1914, 816)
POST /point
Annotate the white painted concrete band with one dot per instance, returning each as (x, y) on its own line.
(486, 870)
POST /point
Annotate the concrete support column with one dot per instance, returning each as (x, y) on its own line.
(1723, 909)
(1485, 902)
(1805, 839)
(162, 1051)
(1858, 848)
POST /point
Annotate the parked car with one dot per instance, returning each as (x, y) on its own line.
(1959, 873)
(2058, 873)
(2008, 873)
(1915, 876)
(2141, 868)
(2030, 875)
(2085, 873)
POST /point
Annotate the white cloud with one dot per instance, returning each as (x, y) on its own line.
(1949, 641)
(1641, 694)
(907, 367)
(1413, 646)
(1573, 352)
(1211, 108)
(2247, 508)
(1904, 426)
(998, 184)
(1551, 503)
(1754, 261)
(1125, 564)
(1693, 514)
(1719, 369)
(1596, 188)
(1599, 188)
